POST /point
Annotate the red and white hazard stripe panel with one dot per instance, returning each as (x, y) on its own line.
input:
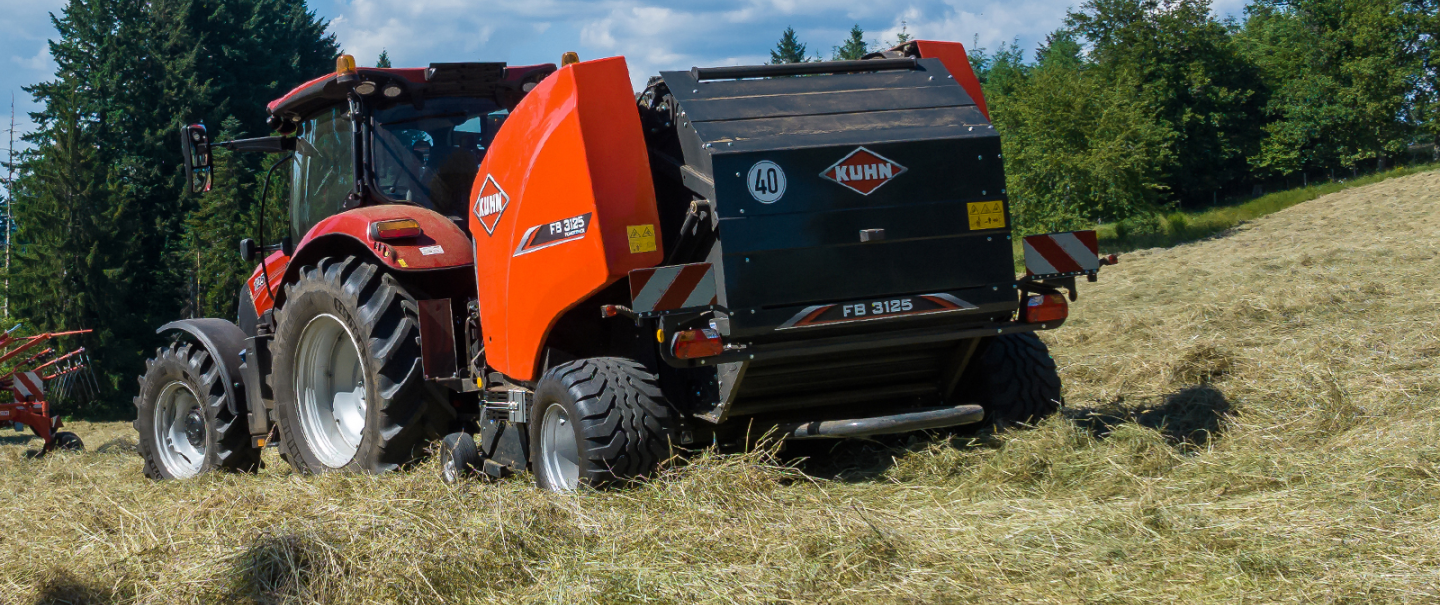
(672, 288)
(28, 385)
(1061, 254)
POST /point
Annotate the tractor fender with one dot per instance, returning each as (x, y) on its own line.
(223, 341)
(441, 245)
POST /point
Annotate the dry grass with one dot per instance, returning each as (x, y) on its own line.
(1253, 419)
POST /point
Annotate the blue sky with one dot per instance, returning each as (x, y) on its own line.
(651, 34)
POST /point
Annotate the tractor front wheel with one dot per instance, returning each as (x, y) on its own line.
(184, 422)
(349, 390)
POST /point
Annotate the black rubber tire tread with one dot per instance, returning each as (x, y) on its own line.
(227, 445)
(624, 424)
(67, 441)
(460, 449)
(404, 414)
(1018, 379)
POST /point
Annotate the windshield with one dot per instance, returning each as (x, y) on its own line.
(430, 156)
(324, 171)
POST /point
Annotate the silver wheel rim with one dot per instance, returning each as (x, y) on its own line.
(180, 458)
(559, 454)
(330, 389)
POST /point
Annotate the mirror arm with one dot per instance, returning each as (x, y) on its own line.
(260, 144)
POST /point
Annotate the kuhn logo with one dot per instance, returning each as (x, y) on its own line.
(490, 203)
(863, 171)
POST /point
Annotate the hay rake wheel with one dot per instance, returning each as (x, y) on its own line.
(27, 382)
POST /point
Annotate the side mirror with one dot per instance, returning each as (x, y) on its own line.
(249, 250)
(195, 149)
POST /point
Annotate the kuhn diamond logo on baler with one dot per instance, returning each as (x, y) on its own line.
(490, 203)
(863, 171)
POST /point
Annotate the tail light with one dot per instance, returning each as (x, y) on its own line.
(1045, 307)
(395, 229)
(693, 344)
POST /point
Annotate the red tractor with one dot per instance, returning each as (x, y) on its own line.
(544, 271)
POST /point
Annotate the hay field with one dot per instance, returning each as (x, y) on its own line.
(1253, 418)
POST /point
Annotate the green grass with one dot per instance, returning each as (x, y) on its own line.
(1180, 227)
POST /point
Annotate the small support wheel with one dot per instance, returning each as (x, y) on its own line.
(69, 442)
(459, 458)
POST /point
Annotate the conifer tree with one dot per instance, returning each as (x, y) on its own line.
(854, 47)
(789, 49)
(384, 60)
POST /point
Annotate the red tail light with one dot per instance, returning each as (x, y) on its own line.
(1045, 307)
(693, 344)
(395, 229)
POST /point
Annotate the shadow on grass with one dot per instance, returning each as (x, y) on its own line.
(63, 587)
(1189, 419)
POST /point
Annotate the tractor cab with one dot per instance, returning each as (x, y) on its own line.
(374, 136)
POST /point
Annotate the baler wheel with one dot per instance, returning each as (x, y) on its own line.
(459, 458)
(185, 425)
(599, 422)
(350, 393)
(67, 441)
(1016, 379)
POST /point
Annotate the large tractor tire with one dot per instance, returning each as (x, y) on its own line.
(349, 390)
(1017, 380)
(598, 422)
(184, 421)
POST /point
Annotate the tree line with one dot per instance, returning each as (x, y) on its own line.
(1134, 107)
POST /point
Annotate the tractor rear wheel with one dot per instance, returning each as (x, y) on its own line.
(598, 422)
(349, 390)
(1017, 379)
(184, 421)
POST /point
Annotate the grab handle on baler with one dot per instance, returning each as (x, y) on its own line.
(737, 72)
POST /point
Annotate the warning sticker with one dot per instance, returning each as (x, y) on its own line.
(987, 215)
(642, 238)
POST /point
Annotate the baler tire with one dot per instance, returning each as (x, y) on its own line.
(402, 412)
(459, 458)
(227, 446)
(624, 427)
(1018, 380)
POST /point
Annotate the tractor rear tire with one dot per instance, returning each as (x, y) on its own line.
(184, 421)
(599, 422)
(350, 393)
(1017, 379)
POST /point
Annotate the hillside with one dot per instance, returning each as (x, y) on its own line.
(1253, 417)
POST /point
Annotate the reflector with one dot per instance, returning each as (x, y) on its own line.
(692, 344)
(395, 229)
(1045, 307)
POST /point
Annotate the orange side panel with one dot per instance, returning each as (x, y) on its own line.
(952, 54)
(564, 186)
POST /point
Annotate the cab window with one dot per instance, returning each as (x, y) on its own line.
(324, 172)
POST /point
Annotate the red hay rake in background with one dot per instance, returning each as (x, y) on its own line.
(65, 376)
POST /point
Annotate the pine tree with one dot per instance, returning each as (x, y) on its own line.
(133, 71)
(384, 60)
(789, 49)
(854, 47)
